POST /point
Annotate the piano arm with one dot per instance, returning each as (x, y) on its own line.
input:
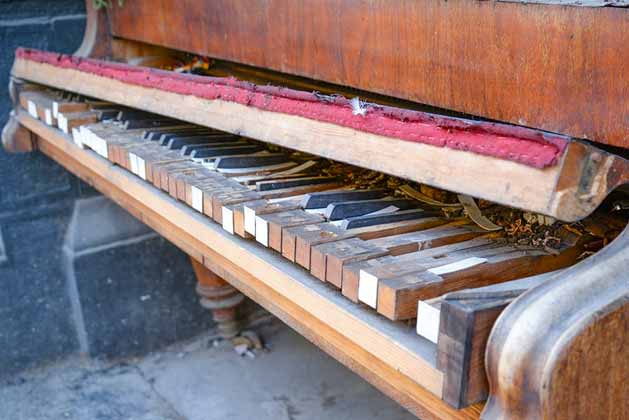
(560, 350)
(97, 38)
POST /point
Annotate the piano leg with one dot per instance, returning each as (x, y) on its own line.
(219, 297)
(561, 350)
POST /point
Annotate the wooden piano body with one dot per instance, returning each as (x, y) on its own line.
(558, 350)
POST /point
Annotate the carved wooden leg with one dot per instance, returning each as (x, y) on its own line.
(219, 297)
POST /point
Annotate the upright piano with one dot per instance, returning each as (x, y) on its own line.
(433, 192)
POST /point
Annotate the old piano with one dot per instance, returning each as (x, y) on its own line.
(433, 192)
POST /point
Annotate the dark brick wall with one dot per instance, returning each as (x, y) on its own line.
(41, 284)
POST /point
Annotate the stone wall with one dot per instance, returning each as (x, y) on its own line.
(77, 273)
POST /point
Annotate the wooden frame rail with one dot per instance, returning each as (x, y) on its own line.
(388, 355)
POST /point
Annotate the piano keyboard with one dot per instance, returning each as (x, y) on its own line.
(380, 247)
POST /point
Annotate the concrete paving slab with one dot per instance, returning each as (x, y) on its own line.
(294, 381)
(80, 391)
(199, 380)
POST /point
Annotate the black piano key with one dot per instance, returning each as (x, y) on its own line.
(182, 128)
(135, 114)
(346, 209)
(107, 114)
(322, 199)
(187, 149)
(139, 124)
(176, 143)
(277, 184)
(379, 219)
(165, 138)
(210, 152)
(249, 161)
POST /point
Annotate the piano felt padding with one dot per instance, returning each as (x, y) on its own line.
(527, 146)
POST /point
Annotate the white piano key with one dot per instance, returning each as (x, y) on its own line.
(90, 138)
(457, 266)
(197, 199)
(62, 123)
(48, 116)
(428, 319)
(228, 219)
(262, 231)
(32, 109)
(368, 289)
(133, 161)
(103, 148)
(141, 167)
(55, 109)
(250, 220)
(76, 136)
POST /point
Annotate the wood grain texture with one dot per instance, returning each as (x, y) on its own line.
(530, 64)
(386, 355)
(560, 350)
(97, 38)
(16, 138)
(462, 328)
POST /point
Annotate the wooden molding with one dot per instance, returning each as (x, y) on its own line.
(16, 138)
(560, 350)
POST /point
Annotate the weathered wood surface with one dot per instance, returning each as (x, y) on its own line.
(466, 320)
(15, 138)
(560, 350)
(529, 64)
(569, 190)
(388, 356)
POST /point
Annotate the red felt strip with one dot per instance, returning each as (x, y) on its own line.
(527, 146)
